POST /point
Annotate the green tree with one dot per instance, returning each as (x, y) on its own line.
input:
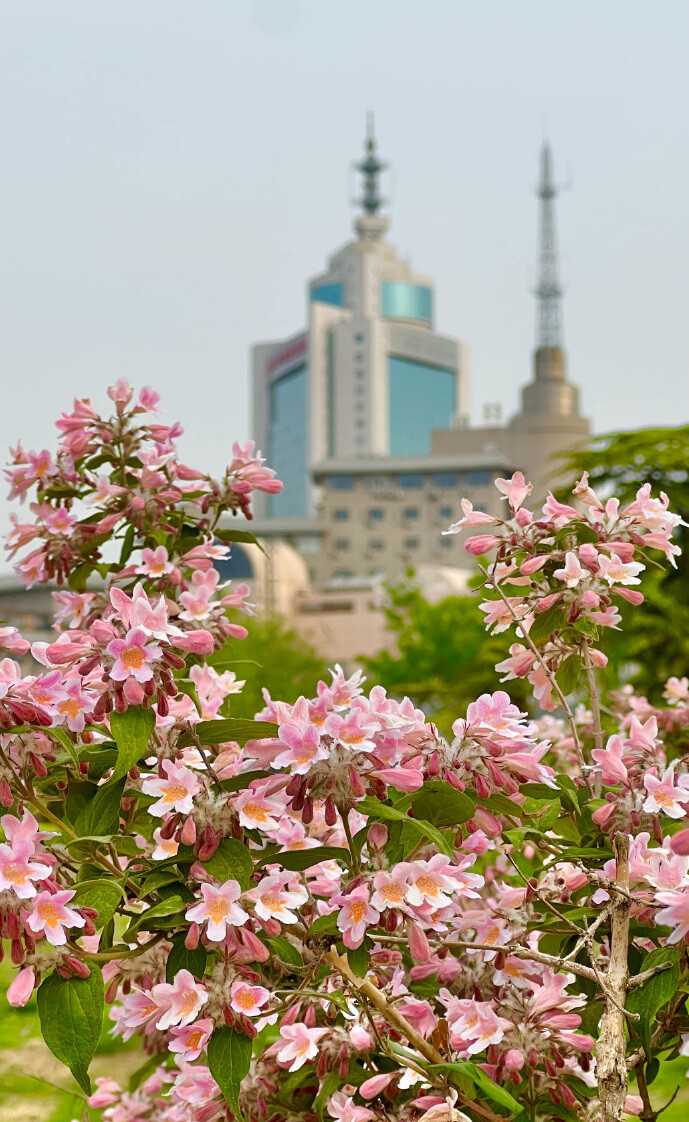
(442, 657)
(289, 665)
(653, 644)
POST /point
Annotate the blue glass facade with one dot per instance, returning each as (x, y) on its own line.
(420, 398)
(406, 301)
(329, 294)
(288, 444)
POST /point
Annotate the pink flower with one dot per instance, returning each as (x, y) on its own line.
(354, 730)
(299, 1044)
(175, 791)
(343, 1108)
(180, 1000)
(155, 563)
(219, 908)
(18, 871)
(133, 656)
(390, 888)
(475, 1022)
(572, 573)
(666, 796)
(189, 1041)
(164, 847)
(21, 987)
(11, 640)
(355, 915)
(257, 809)
(304, 747)
(471, 518)
(614, 570)
(674, 914)
(248, 1000)
(515, 490)
(611, 761)
(274, 900)
(431, 882)
(51, 916)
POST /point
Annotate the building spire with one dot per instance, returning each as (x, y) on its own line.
(370, 167)
(548, 292)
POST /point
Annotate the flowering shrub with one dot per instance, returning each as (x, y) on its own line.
(331, 911)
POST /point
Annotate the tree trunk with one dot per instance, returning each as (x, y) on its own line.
(611, 1064)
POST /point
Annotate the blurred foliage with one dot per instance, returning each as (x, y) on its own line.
(273, 655)
(442, 657)
(654, 642)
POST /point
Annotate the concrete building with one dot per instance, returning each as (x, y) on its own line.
(364, 414)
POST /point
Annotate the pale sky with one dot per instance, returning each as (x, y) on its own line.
(174, 170)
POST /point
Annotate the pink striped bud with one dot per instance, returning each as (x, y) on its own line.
(419, 947)
(21, 987)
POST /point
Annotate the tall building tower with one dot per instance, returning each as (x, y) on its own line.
(549, 420)
(369, 377)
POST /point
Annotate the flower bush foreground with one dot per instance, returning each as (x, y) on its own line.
(332, 912)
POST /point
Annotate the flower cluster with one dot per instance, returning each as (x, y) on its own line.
(331, 910)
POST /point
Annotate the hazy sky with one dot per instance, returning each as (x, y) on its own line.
(174, 170)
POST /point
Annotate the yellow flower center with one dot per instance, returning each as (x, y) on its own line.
(50, 914)
(218, 909)
(357, 910)
(133, 658)
(71, 707)
(174, 792)
(427, 885)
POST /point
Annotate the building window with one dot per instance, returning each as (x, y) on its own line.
(411, 543)
(421, 398)
(406, 301)
(328, 294)
(376, 482)
(376, 544)
(359, 338)
(479, 478)
(341, 482)
(342, 544)
(342, 574)
(341, 515)
(376, 514)
(410, 480)
(445, 512)
(287, 449)
(446, 542)
(411, 512)
(445, 479)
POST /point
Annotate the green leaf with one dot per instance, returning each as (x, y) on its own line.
(103, 895)
(159, 878)
(71, 1015)
(646, 1000)
(229, 1057)
(239, 536)
(483, 1082)
(360, 958)
(441, 804)
(127, 545)
(567, 675)
(180, 958)
(375, 809)
(150, 920)
(229, 729)
(132, 731)
(327, 1088)
(241, 782)
(231, 861)
(63, 738)
(101, 814)
(297, 859)
(324, 925)
(546, 623)
(285, 951)
(497, 803)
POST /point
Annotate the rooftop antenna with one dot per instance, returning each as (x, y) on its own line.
(370, 167)
(548, 291)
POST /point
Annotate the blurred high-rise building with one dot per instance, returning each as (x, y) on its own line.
(364, 412)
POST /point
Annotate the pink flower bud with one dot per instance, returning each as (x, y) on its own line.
(21, 987)
(373, 1086)
(602, 815)
(133, 691)
(679, 843)
(377, 835)
(188, 834)
(533, 564)
(548, 601)
(514, 1060)
(478, 544)
(419, 947)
